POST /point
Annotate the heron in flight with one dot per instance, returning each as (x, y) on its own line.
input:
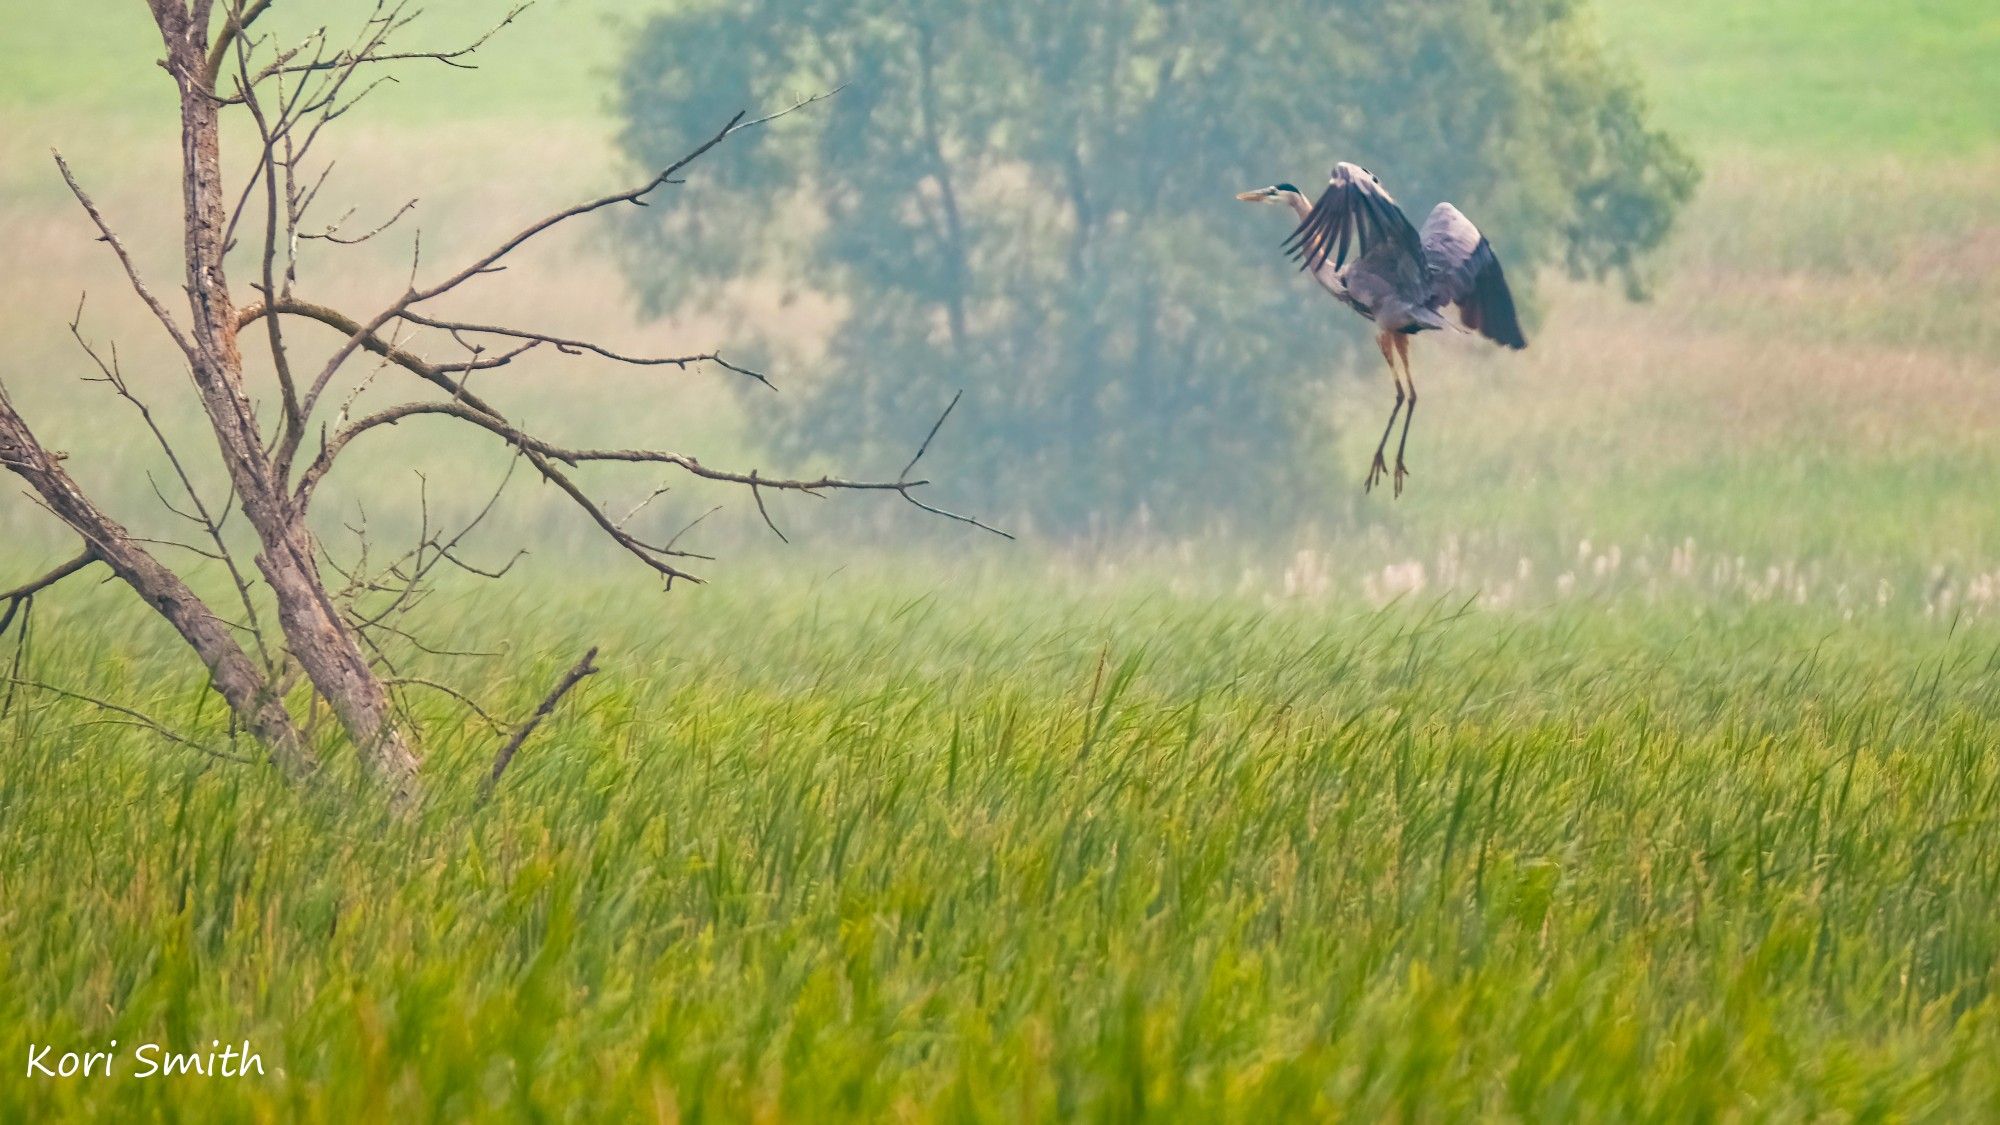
(1400, 278)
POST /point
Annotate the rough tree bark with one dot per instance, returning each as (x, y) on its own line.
(317, 636)
(236, 677)
(291, 94)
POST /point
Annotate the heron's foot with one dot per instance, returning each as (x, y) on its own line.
(1401, 472)
(1375, 473)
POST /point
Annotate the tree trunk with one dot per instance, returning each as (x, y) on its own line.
(329, 651)
(316, 635)
(235, 676)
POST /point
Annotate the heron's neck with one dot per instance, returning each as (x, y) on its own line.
(1300, 204)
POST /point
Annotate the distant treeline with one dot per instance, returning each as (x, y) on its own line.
(1031, 201)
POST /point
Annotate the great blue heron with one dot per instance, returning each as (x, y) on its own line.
(1401, 279)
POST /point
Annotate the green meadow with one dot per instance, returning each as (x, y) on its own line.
(847, 854)
(1639, 764)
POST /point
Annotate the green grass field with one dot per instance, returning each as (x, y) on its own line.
(1639, 765)
(850, 853)
(1844, 78)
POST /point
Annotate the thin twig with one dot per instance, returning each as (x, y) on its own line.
(30, 589)
(935, 427)
(239, 21)
(463, 699)
(490, 261)
(109, 236)
(569, 346)
(585, 667)
(139, 718)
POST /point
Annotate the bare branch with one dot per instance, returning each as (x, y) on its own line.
(673, 543)
(210, 522)
(295, 419)
(331, 233)
(644, 504)
(635, 195)
(521, 439)
(288, 115)
(925, 448)
(652, 555)
(240, 19)
(935, 427)
(230, 669)
(21, 594)
(489, 262)
(571, 347)
(31, 588)
(452, 58)
(138, 718)
(106, 234)
(531, 444)
(762, 510)
(462, 699)
(583, 668)
(370, 341)
(956, 517)
(430, 552)
(545, 456)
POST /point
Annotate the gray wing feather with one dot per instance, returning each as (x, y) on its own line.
(1353, 209)
(1465, 272)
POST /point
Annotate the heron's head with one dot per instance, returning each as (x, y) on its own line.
(1276, 193)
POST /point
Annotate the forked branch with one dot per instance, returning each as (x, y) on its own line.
(490, 261)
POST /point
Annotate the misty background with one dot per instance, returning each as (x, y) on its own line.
(1758, 290)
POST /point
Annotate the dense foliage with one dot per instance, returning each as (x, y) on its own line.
(1032, 201)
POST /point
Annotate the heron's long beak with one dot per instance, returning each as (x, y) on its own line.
(1256, 196)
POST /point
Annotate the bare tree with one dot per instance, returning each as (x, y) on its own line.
(312, 631)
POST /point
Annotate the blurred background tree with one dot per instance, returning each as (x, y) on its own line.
(1031, 201)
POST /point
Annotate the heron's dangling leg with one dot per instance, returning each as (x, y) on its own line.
(1403, 351)
(1376, 470)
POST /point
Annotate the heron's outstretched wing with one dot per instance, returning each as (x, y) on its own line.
(1354, 208)
(1465, 272)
